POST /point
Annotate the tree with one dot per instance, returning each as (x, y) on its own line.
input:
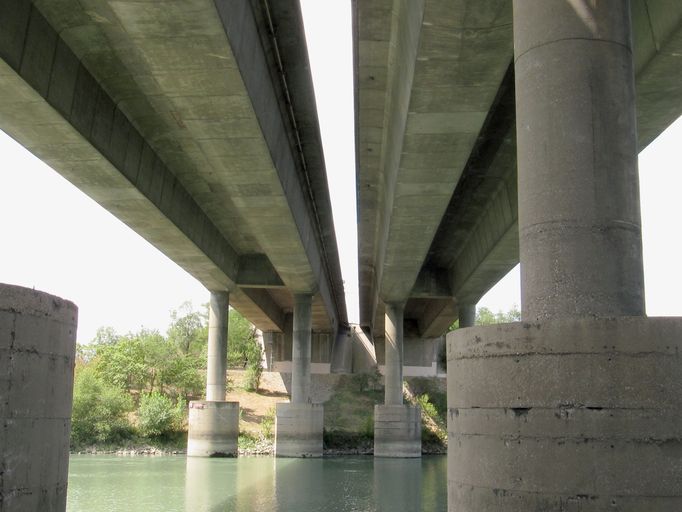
(484, 316)
(182, 377)
(105, 336)
(242, 345)
(189, 329)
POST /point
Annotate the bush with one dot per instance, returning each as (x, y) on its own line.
(253, 375)
(267, 424)
(99, 410)
(427, 407)
(158, 416)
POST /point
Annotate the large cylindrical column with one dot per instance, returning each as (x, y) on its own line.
(579, 217)
(300, 355)
(467, 315)
(37, 350)
(578, 407)
(214, 423)
(393, 349)
(216, 366)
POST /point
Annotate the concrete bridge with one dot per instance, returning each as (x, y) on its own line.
(488, 133)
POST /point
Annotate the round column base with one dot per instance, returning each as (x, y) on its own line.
(582, 414)
(213, 429)
(37, 351)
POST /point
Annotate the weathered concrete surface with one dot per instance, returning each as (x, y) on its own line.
(216, 367)
(213, 429)
(397, 431)
(393, 359)
(301, 353)
(37, 350)
(579, 221)
(298, 430)
(175, 121)
(579, 414)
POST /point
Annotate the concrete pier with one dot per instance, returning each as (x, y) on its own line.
(37, 350)
(214, 423)
(213, 429)
(566, 415)
(578, 407)
(216, 367)
(393, 348)
(467, 315)
(298, 430)
(397, 426)
(300, 358)
(579, 220)
(299, 425)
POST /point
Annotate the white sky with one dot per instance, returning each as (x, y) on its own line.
(56, 239)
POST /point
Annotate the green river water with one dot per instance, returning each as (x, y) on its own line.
(246, 484)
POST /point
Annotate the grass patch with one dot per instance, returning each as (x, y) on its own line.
(351, 408)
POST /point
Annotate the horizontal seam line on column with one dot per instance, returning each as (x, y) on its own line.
(581, 407)
(516, 59)
(522, 491)
(556, 225)
(576, 437)
(556, 354)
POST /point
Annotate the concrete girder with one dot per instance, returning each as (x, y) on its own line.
(417, 124)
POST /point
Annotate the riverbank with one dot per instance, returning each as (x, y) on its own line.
(348, 415)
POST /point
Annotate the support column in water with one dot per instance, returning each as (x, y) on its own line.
(578, 407)
(397, 426)
(214, 422)
(37, 351)
(299, 424)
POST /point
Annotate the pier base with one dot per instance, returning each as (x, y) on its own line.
(213, 429)
(298, 430)
(397, 431)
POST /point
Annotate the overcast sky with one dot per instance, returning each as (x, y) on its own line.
(56, 239)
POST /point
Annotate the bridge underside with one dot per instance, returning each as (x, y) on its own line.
(437, 178)
(178, 119)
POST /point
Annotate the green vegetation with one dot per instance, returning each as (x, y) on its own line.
(100, 410)
(134, 388)
(349, 413)
(158, 415)
(484, 316)
(268, 424)
(432, 398)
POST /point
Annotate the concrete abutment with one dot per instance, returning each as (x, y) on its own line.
(37, 351)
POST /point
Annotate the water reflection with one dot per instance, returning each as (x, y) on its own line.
(174, 484)
(398, 484)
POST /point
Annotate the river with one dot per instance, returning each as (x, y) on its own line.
(248, 484)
